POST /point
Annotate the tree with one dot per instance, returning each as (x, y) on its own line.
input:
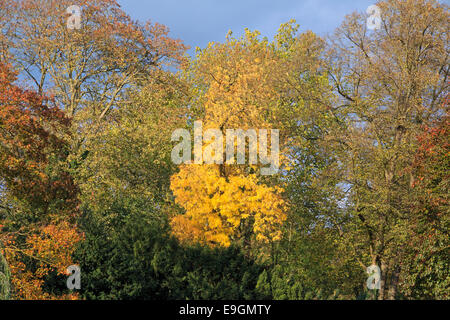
(91, 73)
(390, 82)
(426, 265)
(40, 198)
(32, 136)
(225, 208)
(225, 203)
(129, 161)
(87, 70)
(87, 175)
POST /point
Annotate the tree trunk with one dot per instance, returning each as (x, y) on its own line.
(392, 293)
(383, 280)
(5, 278)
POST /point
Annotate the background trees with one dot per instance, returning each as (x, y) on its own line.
(391, 81)
(39, 198)
(90, 73)
(428, 250)
(86, 176)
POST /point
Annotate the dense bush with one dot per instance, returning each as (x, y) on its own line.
(140, 260)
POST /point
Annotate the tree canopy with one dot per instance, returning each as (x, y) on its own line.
(357, 156)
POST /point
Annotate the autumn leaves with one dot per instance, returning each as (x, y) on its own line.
(224, 199)
(33, 148)
(45, 178)
(301, 153)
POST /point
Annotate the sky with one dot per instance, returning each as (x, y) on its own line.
(198, 22)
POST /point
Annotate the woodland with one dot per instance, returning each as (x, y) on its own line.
(87, 178)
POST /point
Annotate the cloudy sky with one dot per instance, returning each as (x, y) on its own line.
(198, 22)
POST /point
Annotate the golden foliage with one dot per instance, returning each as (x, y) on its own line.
(217, 209)
(226, 203)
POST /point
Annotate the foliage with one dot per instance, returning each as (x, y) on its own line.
(428, 263)
(140, 260)
(36, 239)
(225, 208)
(86, 175)
(388, 83)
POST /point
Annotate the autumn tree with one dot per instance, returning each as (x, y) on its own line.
(39, 198)
(33, 134)
(227, 203)
(310, 261)
(390, 82)
(129, 161)
(428, 249)
(89, 118)
(87, 70)
(91, 74)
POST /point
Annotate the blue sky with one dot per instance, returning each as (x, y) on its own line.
(198, 22)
